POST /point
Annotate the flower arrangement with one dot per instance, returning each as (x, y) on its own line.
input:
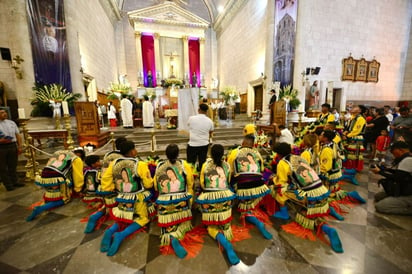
(229, 94)
(262, 140)
(43, 94)
(290, 95)
(151, 93)
(116, 90)
(173, 82)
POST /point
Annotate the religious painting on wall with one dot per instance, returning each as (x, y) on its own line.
(373, 71)
(348, 69)
(48, 42)
(361, 70)
(284, 41)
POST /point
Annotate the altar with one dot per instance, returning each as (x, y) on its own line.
(187, 105)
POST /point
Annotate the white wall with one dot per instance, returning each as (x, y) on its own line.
(329, 30)
(242, 46)
(14, 34)
(89, 27)
(407, 82)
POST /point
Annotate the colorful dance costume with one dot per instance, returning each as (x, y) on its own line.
(354, 145)
(216, 201)
(247, 166)
(331, 174)
(174, 182)
(130, 177)
(322, 120)
(107, 198)
(62, 174)
(305, 189)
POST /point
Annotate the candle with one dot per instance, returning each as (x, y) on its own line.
(22, 113)
(65, 108)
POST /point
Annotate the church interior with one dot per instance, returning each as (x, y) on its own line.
(64, 63)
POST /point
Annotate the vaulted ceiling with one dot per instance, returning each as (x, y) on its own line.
(206, 9)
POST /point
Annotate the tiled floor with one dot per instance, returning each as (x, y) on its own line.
(55, 243)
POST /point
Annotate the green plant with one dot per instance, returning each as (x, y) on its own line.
(289, 94)
(43, 94)
(151, 93)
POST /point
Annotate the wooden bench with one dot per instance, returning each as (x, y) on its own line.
(53, 133)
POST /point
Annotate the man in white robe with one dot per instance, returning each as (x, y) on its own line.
(127, 112)
(148, 120)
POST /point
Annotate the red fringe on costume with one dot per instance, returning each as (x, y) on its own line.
(228, 220)
(192, 243)
(299, 231)
(240, 233)
(338, 209)
(39, 203)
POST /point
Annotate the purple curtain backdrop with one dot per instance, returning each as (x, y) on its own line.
(194, 59)
(48, 42)
(148, 58)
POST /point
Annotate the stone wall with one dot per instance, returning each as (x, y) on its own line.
(14, 34)
(329, 30)
(407, 82)
(92, 32)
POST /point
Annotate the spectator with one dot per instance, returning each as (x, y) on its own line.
(200, 129)
(397, 184)
(10, 148)
(284, 134)
(402, 126)
(379, 123)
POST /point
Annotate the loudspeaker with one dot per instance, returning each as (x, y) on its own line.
(5, 54)
(317, 70)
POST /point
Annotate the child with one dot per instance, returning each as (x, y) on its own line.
(382, 144)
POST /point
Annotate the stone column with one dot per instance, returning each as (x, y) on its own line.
(139, 59)
(202, 60)
(185, 40)
(157, 58)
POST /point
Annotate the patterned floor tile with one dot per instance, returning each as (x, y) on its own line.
(54, 265)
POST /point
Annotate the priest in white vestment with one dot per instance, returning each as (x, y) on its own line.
(127, 112)
(148, 120)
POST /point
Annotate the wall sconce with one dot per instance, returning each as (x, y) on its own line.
(15, 64)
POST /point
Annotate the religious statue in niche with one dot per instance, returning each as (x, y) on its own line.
(194, 80)
(314, 96)
(149, 79)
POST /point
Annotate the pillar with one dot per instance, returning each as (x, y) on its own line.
(138, 36)
(158, 62)
(202, 60)
(185, 40)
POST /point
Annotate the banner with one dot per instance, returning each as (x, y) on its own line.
(148, 58)
(194, 61)
(48, 42)
(286, 12)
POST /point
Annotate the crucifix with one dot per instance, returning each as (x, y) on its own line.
(172, 56)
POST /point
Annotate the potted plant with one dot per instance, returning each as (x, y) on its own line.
(290, 95)
(43, 94)
(229, 94)
(116, 90)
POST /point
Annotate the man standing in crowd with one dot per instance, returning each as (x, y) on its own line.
(148, 120)
(397, 197)
(10, 148)
(402, 126)
(127, 112)
(200, 129)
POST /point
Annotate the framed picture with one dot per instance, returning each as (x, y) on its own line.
(373, 71)
(361, 70)
(348, 69)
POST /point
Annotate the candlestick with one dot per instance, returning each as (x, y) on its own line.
(22, 113)
(65, 108)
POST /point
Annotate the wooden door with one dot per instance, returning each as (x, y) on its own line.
(243, 103)
(258, 97)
